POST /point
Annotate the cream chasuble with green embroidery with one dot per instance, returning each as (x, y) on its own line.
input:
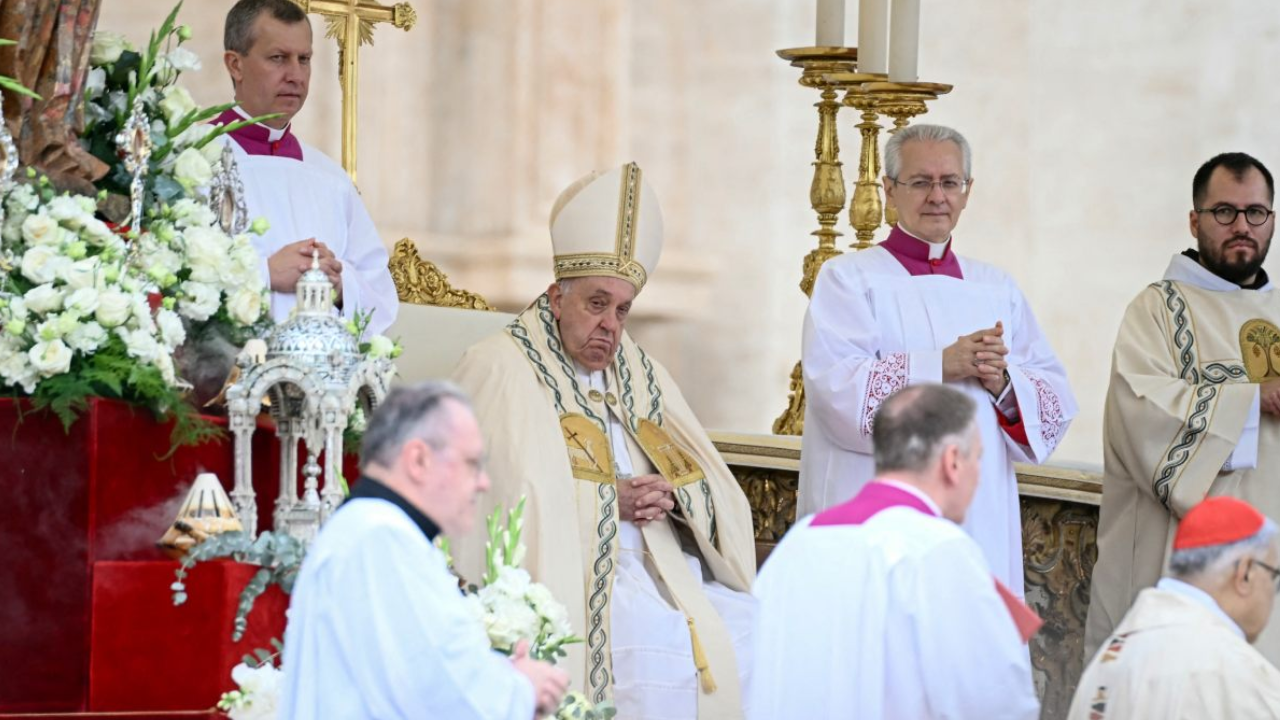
(1184, 376)
(548, 439)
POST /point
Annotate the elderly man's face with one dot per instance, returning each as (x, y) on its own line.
(275, 75)
(457, 474)
(1234, 251)
(591, 314)
(1261, 594)
(931, 212)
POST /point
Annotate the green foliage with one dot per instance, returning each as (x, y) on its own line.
(278, 555)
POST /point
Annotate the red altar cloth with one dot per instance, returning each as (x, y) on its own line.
(148, 654)
(72, 499)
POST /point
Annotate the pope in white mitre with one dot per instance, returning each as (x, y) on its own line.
(632, 519)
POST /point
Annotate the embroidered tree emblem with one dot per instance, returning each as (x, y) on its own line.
(1263, 340)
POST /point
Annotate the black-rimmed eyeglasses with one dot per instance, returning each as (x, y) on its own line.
(1275, 572)
(1226, 214)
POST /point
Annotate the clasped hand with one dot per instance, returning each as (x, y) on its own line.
(291, 261)
(645, 498)
(978, 355)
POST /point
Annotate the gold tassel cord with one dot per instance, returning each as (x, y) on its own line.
(700, 660)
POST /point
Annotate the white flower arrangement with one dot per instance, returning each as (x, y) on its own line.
(260, 682)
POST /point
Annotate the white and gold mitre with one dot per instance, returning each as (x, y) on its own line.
(608, 223)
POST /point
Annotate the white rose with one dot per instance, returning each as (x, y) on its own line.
(96, 232)
(87, 338)
(183, 60)
(141, 344)
(245, 306)
(114, 308)
(51, 358)
(512, 581)
(262, 687)
(40, 230)
(41, 264)
(245, 263)
(16, 369)
(107, 47)
(177, 103)
(82, 302)
(82, 273)
(380, 346)
(18, 308)
(191, 169)
(43, 299)
(200, 300)
(96, 82)
(188, 212)
(22, 198)
(171, 328)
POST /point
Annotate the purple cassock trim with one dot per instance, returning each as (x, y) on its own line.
(256, 139)
(874, 497)
(913, 253)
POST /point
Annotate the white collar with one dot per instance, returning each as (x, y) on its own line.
(1191, 592)
(915, 491)
(274, 135)
(1184, 269)
(936, 250)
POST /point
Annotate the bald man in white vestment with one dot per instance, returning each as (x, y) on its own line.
(911, 310)
(882, 608)
(1183, 651)
(377, 628)
(308, 200)
(633, 520)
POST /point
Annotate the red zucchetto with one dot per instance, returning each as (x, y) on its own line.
(1217, 521)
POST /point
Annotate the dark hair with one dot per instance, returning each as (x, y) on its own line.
(913, 425)
(237, 34)
(1237, 163)
(408, 412)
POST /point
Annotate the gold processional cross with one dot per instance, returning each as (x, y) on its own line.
(351, 22)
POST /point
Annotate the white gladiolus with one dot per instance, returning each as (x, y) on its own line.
(82, 302)
(191, 169)
(177, 102)
(200, 301)
(171, 328)
(40, 230)
(183, 60)
(43, 299)
(114, 308)
(95, 83)
(41, 264)
(50, 358)
(107, 47)
(245, 306)
(87, 337)
(212, 152)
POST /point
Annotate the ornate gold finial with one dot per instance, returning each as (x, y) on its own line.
(405, 16)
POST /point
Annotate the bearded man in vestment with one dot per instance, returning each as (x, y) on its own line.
(632, 519)
(1193, 408)
(1183, 652)
(911, 310)
(308, 200)
(882, 608)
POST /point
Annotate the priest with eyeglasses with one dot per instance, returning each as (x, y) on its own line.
(1193, 407)
(911, 310)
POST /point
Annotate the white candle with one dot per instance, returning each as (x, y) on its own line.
(830, 28)
(904, 41)
(873, 36)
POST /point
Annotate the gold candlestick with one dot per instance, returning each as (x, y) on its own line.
(826, 191)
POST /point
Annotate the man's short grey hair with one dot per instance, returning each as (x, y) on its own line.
(1212, 559)
(913, 426)
(408, 413)
(237, 34)
(929, 133)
